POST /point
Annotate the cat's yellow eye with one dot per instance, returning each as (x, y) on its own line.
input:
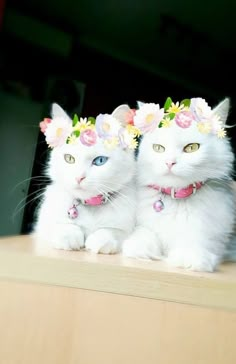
(69, 158)
(158, 148)
(192, 147)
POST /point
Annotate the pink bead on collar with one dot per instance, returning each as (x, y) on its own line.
(178, 193)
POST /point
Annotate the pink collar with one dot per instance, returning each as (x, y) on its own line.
(178, 193)
(92, 201)
(95, 201)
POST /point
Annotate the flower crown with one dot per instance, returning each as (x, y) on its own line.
(124, 125)
(62, 130)
(150, 116)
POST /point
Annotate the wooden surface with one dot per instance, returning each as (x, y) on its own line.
(61, 307)
(23, 259)
(59, 325)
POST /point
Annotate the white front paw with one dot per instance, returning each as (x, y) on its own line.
(144, 249)
(201, 261)
(68, 237)
(102, 241)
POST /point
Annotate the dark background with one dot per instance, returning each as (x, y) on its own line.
(90, 56)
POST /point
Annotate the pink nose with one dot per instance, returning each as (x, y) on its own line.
(170, 164)
(79, 179)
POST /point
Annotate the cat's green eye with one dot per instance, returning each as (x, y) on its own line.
(69, 158)
(192, 147)
(158, 148)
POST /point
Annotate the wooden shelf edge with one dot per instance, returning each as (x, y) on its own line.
(112, 275)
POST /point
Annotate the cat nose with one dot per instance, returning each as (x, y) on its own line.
(170, 164)
(79, 179)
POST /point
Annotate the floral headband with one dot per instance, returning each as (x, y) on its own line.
(62, 130)
(124, 125)
(150, 116)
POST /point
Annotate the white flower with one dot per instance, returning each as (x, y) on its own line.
(148, 117)
(58, 131)
(199, 107)
(107, 126)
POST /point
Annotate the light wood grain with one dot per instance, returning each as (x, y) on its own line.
(60, 325)
(23, 259)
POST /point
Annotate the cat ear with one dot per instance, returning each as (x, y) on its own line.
(120, 113)
(222, 110)
(58, 112)
(140, 104)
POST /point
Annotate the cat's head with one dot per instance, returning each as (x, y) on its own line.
(177, 156)
(90, 169)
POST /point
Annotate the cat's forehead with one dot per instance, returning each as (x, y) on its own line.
(176, 135)
(78, 149)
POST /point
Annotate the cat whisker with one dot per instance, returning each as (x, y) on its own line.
(118, 193)
(112, 186)
(22, 203)
(37, 178)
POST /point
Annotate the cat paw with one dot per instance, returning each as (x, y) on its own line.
(142, 249)
(195, 261)
(68, 237)
(102, 241)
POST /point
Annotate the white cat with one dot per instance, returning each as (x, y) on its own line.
(91, 200)
(186, 208)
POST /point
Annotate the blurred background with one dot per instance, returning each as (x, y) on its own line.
(90, 56)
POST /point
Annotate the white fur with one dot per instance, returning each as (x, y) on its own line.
(195, 232)
(100, 229)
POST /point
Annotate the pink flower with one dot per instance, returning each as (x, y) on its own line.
(88, 137)
(184, 119)
(129, 117)
(44, 124)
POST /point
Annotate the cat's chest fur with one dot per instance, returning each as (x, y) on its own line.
(59, 201)
(180, 217)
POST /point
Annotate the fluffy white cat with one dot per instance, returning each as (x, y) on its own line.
(194, 232)
(78, 174)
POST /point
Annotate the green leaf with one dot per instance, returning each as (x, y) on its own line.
(186, 102)
(75, 120)
(160, 124)
(171, 115)
(76, 133)
(92, 120)
(167, 103)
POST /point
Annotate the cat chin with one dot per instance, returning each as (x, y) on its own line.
(83, 194)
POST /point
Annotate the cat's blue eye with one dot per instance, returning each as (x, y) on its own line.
(100, 160)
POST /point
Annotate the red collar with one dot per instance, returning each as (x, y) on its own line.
(178, 193)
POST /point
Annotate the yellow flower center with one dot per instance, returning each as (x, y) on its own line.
(59, 132)
(149, 118)
(106, 127)
(204, 127)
